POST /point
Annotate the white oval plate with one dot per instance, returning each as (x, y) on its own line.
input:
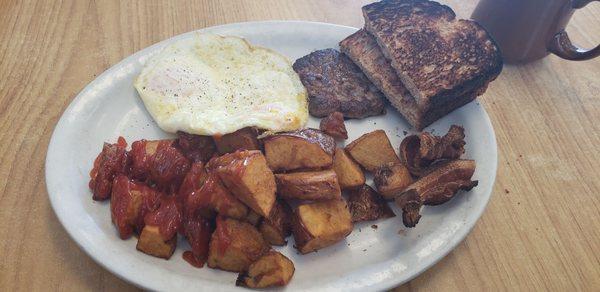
(369, 258)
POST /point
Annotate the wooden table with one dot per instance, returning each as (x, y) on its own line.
(541, 229)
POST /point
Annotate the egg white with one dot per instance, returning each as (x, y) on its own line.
(213, 85)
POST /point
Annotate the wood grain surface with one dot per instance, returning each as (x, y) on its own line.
(541, 230)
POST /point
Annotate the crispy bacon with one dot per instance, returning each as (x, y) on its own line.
(436, 187)
(419, 152)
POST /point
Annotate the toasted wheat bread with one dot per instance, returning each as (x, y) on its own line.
(438, 58)
(362, 48)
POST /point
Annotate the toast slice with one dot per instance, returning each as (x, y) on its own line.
(364, 51)
(443, 62)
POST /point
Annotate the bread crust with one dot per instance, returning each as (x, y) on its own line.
(442, 61)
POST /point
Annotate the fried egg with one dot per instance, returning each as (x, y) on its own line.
(214, 85)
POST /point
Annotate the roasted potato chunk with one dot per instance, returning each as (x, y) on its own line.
(314, 185)
(372, 150)
(277, 226)
(320, 224)
(212, 195)
(303, 149)
(130, 202)
(152, 243)
(272, 269)
(235, 245)
(159, 236)
(366, 205)
(242, 139)
(249, 178)
(348, 172)
(192, 181)
(391, 179)
(253, 217)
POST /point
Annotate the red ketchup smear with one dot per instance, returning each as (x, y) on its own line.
(198, 231)
(119, 206)
(211, 195)
(140, 160)
(193, 180)
(200, 198)
(232, 164)
(222, 199)
(235, 162)
(167, 217)
(112, 161)
(166, 166)
(169, 167)
(189, 257)
(223, 236)
(125, 193)
(151, 199)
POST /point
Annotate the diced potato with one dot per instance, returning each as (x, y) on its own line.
(272, 269)
(303, 149)
(348, 172)
(321, 224)
(193, 180)
(152, 243)
(314, 185)
(152, 146)
(247, 176)
(242, 139)
(391, 179)
(253, 217)
(277, 226)
(366, 205)
(130, 202)
(235, 245)
(372, 150)
(214, 196)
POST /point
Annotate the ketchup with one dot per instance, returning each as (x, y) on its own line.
(112, 161)
(193, 180)
(198, 231)
(130, 202)
(159, 163)
(167, 217)
(196, 262)
(223, 236)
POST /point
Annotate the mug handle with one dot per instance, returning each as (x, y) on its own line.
(561, 45)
